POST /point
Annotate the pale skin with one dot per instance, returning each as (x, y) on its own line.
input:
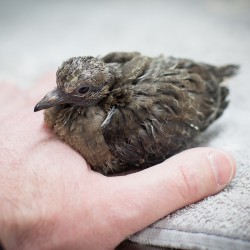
(51, 199)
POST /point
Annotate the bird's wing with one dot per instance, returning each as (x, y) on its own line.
(119, 57)
(131, 65)
(172, 101)
(155, 123)
(201, 81)
(149, 129)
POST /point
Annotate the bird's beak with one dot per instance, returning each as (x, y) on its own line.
(52, 99)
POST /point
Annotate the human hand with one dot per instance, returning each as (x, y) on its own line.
(51, 199)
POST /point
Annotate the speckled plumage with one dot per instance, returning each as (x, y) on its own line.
(128, 110)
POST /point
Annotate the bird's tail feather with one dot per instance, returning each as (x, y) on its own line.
(228, 70)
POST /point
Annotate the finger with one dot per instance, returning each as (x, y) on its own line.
(8, 93)
(42, 87)
(12, 99)
(142, 198)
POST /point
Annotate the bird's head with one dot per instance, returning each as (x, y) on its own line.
(81, 81)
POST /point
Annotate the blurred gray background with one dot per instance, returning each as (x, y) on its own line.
(36, 36)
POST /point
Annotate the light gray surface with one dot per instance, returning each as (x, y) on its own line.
(37, 36)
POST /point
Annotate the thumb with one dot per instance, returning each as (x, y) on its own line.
(185, 178)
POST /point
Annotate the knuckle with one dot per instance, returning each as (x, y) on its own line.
(189, 184)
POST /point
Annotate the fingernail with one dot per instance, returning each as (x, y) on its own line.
(222, 166)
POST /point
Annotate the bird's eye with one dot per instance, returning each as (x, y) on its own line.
(83, 90)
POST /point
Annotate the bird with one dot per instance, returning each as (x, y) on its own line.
(129, 111)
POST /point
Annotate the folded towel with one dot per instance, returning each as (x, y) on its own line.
(221, 221)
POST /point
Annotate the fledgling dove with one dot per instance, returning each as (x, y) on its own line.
(128, 110)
